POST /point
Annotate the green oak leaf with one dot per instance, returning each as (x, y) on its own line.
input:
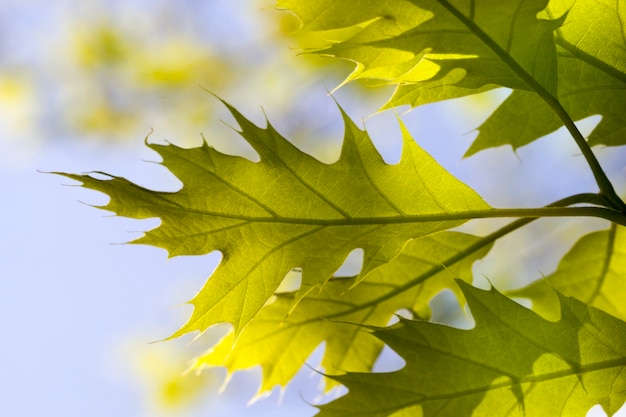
(591, 72)
(589, 31)
(593, 271)
(438, 49)
(523, 117)
(287, 211)
(434, 50)
(592, 80)
(594, 33)
(512, 363)
(281, 339)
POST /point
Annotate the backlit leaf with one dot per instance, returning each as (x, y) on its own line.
(435, 50)
(418, 44)
(591, 74)
(513, 363)
(593, 271)
(280, 340)
(287, 211)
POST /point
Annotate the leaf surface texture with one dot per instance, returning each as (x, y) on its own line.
(434, 50)
(280, 340)
(512, 363)
(593, 271)
(287, 211)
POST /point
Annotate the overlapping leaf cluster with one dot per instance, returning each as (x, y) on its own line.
(280, 340)
(288, 211)
(513, 363)
(435, 50)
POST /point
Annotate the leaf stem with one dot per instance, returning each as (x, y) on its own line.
(605, 185)
(435, 269)
(590, 59)
(606, 264)
(530, 380)
(606, 188)
(528, 213)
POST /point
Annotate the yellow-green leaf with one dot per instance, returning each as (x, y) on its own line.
(280, 340)
(433, 50)
(287, 211)
(473, 45)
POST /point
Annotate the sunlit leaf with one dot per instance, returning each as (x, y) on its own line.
(436, 50)
(280, 340)
(418, 44)
(287, 211)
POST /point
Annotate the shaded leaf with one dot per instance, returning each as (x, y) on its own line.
(593, 271)
(584, 90)
(281, 340)
(512, 363)
(287, 211)
(591, 81)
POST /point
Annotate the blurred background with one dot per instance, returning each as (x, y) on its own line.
(83, 83)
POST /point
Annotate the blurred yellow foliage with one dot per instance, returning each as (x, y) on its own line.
(17, 100)
(168, 388)
(99, 45)
(123, 76)
(102, 116)
(178, 63)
